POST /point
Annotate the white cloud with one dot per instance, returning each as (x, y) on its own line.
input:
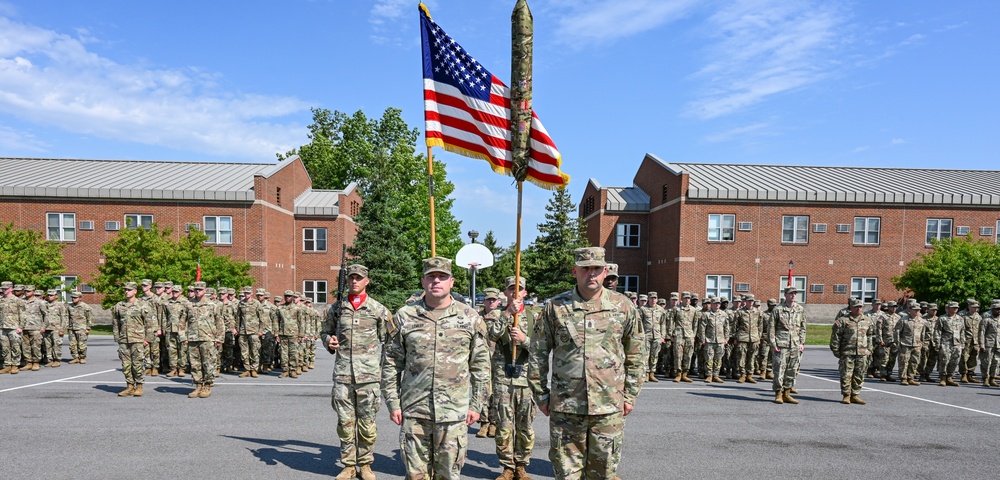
(599, 21)
(762, 48)
(753, 130)
(52, 79)
(897, 141)
(15, 140)
(387, 17)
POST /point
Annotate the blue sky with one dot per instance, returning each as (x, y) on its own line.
(852, 83)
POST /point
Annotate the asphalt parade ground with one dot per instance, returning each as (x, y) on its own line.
(68, 422)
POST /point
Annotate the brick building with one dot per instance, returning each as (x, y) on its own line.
(731, 229)
(267, 214)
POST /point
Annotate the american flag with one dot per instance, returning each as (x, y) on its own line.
(467, 110)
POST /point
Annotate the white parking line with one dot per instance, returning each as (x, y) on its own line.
(908, 396)
(734, 389)
(217, 383)
(56, 381)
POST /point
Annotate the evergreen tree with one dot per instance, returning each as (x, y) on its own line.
(548, 262)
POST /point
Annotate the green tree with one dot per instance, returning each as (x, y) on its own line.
(494, 276)
(954, 270)
(26, 257)
(152, 253)
(548, 262)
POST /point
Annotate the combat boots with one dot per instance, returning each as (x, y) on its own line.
(147, 371)
(83, 360)
(743, 379)
(520, 473)
(993, 381)
(943, 381)
(293, 374)
(483, 427)
(253, 373)
(677, 378)
(492, 431)
(35, 367)
(128, 391)
(716, 379)
(137, 392)
(206, 391)
(172, 373)
(846, 400)
(196, 391)
(180, 372)
(769, 376)
(856, 399)
(5, 370)
(154, 371)
(244, 374)
(366, 473)
(750, 379)
(685, 378)
(75, 360)
(778, 397)
(14, 370)
(787, 397)
(347, 473)
(948, 381)
(283, 375)
(913, 381)
(652, 378)
(508, 474)
(312, 365)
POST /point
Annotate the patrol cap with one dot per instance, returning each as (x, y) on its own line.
(29, 287)
(147, 282)
(643, 297)
(199, 285)
(661, 301)
(357, 269)
(130, 286)
(653, 295)
(974, 304)
(589, 257)
(914, 306)
(995, 303)
(772, 301)
(246, 290)
(231, 291)
(491, 294)
(176, 288)
(631, 294)
(267, 293)
(277, 298)
(612, 270)
(855, 302)
(190, 288)
(891, 303)
(18, 287)
(748, 296)
(157, 284)
(6, 285)
(298, 294)
(261, 291)
(509, 282)
(951, 305)
(756, 303)
(686, 295)
(877, 301)
(289, 293)
(714, 299)
(39, 292)
(168, 284)
(52, 291)
(76, 295)
(694, 296)
(924, 304)
(791, 290)
(932, 306)
(437, 264)
(675, 295)
(210, 290)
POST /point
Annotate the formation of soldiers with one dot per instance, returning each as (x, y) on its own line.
(32, 326)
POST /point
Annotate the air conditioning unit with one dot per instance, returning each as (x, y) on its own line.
(112, 226)
(819, 228)
(843, 228)
(192, 226)
(84, 288)
(742, 287)
(840, 288)
(962, 230)
(816, 288)
(985, 231)
(745, 226)
(86, 224)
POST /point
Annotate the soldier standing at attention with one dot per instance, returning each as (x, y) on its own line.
(650, 316)
(875, 314)
(205, 331)
(970, 354)
(788, 339)
(152, 350)
(289, 328)
(34, 320)
(56, 319)
(746, 338)
(434, 378)
(11, 323)
(81, 319)
(928, 354)
(175, 329)
(132, 325)
(666, 345)
(270, 321)
(685, 323)
(850, 340)
(909, 335)
(515, 438)
(713, 329)
(355, 332)
(597, 349)
(889, 348)
(611, 280)
(487, 417)
(251, 319)
(949, 336)
(764, 352)
(989, 344)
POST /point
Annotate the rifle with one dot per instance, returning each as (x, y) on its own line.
(341, 287)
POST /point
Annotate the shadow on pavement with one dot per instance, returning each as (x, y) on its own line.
(175, 390)
(297, 455)
(730, 397)
(110, 388)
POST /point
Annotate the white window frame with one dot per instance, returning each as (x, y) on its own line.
(218, 235)
(312, 290)
(721, 227)
(865, 288)
(997, 232)
(627, 235)
(64, 282)
(799, 229)
(939, 232)
(866, 231)
(138, 220)
(310, 234)
(719, 285)
(628, 283)
(63, 229)
(799, 282)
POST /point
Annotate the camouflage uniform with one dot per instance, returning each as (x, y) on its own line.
(665, 366)
(746, 334)
(851, 339)
(205, 331)
(289, 333)
(764, 351)
(436, 369)
(713, 330)
(949, 335)
(909, 336)
(35, 310)
(970, 354)
(252, 323)
(788, 332)
(876, 315)
(929, 352)
(227, 355)
(268, 341)
(598, 352)
(685, 323)
(357, 371)
(11, 323)
(132, 325)
(81, 320)
(989, 343)
(515, 438)
(152, 350)
(650, 316)
(56, 320)
(175, 330)
(890, 350)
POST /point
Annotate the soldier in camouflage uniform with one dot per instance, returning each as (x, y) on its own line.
(175, 329)
(970, 354)
(487, 417)
(685, 324)
(928, 354)
(787, 325)
(81, 320)
(713, 329)
(851, 338)
(949, 336)
(889, 349)
(205, 332)
(34, 320)
(227, 355)
(251, 325)
(664, 364)
(746, 340)
(515, 438)
(56, 320)
(132, 324)
(989, 343)
(11, 323)
(315, 328)
(355, 332)
(909, 335)
(435, 373)
(267, 342)
(650, 317)
(875, 314)
(289, 328)
(764, 352)
(597, 348)
(153, 348)
(611, 279)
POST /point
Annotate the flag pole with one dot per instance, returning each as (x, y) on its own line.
(430, 190)
(522, 33)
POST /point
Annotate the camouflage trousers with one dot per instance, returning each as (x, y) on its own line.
(970, 357)
(785, 364)
(728, 360)
(909, 359)
(515, 437)
(204, 356)
(31, 345)
(928, 360)
(949, 356)
(267, 346)
(763, 362)
(433, 450)
(309, 352)
(683, 349)
(653, 347)
(52, 342)
(289, 353)
(746, 355)
(666, 361)
(888, 361)
(153, 353)
(78, 344)
(132, 356)
(852, 373)
(713, 358)
(989, 359)
(10, 343)
(699, 362)
(176, 351)
(487, 414)
(227, 353)
(356, 405)
(250, 348)
(585, 446)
